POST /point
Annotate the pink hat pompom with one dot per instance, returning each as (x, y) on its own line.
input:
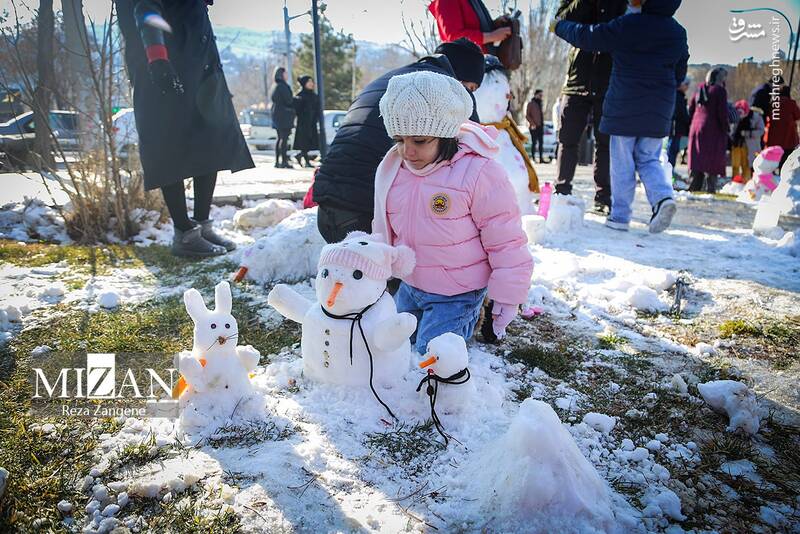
(403, 261)
(772, 153)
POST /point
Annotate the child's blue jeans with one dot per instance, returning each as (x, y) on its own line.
(439, 314)
(631, 155)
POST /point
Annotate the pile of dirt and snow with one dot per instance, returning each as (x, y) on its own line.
(288, 251)
(32, 220)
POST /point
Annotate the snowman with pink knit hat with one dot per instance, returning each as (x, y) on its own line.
(764, 181)
(353, 334)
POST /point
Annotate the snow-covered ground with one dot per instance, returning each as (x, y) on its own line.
(608, 372)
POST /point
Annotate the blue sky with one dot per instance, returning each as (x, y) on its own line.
(708, 22)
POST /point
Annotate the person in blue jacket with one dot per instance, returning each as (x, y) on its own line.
(649, 52)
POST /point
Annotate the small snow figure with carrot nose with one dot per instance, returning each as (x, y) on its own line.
(447, 384)
(215, 376)
(353, 335)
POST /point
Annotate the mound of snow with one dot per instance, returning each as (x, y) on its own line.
(790, 244)
(535, 473)
(267, 213)
(665, 502)
(600, 421)
(660, 280)
(288, 252)
(736, 400)
(108, 299)
(645, 299)
(565, 215)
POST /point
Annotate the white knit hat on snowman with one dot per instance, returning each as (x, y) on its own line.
(425, 103)
(369, 254)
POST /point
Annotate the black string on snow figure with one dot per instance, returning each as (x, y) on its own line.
(355, 319)
(432, 390)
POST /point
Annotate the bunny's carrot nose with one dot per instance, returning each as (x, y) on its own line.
(429, 361)
(334, 293)
(222, 340)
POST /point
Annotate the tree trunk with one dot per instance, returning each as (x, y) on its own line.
(44, 84)
(76, 43)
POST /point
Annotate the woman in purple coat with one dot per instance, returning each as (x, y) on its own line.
(708, 133)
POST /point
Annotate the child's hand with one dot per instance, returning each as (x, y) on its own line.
(502, 315)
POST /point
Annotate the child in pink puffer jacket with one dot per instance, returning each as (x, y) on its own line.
(440, 192)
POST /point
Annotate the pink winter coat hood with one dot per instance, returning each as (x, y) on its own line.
(460, 217)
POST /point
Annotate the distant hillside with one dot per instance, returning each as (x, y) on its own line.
(253, 44)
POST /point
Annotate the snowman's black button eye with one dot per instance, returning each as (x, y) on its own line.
(213, 325)
(362, 243)
(357, 274)
(227, 325)
(324, 273)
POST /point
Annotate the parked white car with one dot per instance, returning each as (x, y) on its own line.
(549, 144)
(257, 128)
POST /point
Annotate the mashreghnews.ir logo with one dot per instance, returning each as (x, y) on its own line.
(105, 385)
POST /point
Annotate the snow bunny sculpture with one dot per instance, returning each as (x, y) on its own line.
(215, 379)
(353, 335)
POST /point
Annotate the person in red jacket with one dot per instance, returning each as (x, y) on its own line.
(470, 19)
(781, 127)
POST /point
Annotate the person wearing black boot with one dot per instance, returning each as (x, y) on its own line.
(582, 98)
(282, 117)
(184, 114)
(306, 105)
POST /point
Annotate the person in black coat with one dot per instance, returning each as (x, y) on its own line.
(306, 105)
(344, 185)
(680, 123)
(282, 117)
(588, 74)
(184, 113)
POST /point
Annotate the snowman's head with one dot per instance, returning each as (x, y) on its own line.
(447, 355)
(768, 160)
(492, 96)
(352, 274)
(214, 331)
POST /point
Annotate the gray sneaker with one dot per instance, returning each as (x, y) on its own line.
(207, 230)
(192, 244)
(663, 212)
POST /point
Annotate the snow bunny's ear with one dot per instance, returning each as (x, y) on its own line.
(195, 306)
(403, 261)
(222, 296)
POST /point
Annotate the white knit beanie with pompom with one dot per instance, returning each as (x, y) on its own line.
(425, 103)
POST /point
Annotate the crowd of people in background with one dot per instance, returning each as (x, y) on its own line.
(721, 130)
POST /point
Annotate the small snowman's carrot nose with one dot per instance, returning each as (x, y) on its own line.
(240, 274)
(429, 361)
(334, 293)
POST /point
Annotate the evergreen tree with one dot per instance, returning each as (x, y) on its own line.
(338, 50)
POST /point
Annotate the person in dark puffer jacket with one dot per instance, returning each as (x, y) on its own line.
(344, 185)
(649, 51)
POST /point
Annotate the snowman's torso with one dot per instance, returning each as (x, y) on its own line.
(512, 162)
(492, 102)
(326, 348)
(452, 398)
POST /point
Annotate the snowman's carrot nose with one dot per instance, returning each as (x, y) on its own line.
(429, 361)
(334, 293)
(240, 274)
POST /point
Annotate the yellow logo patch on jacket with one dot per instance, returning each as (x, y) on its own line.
(440, 203)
